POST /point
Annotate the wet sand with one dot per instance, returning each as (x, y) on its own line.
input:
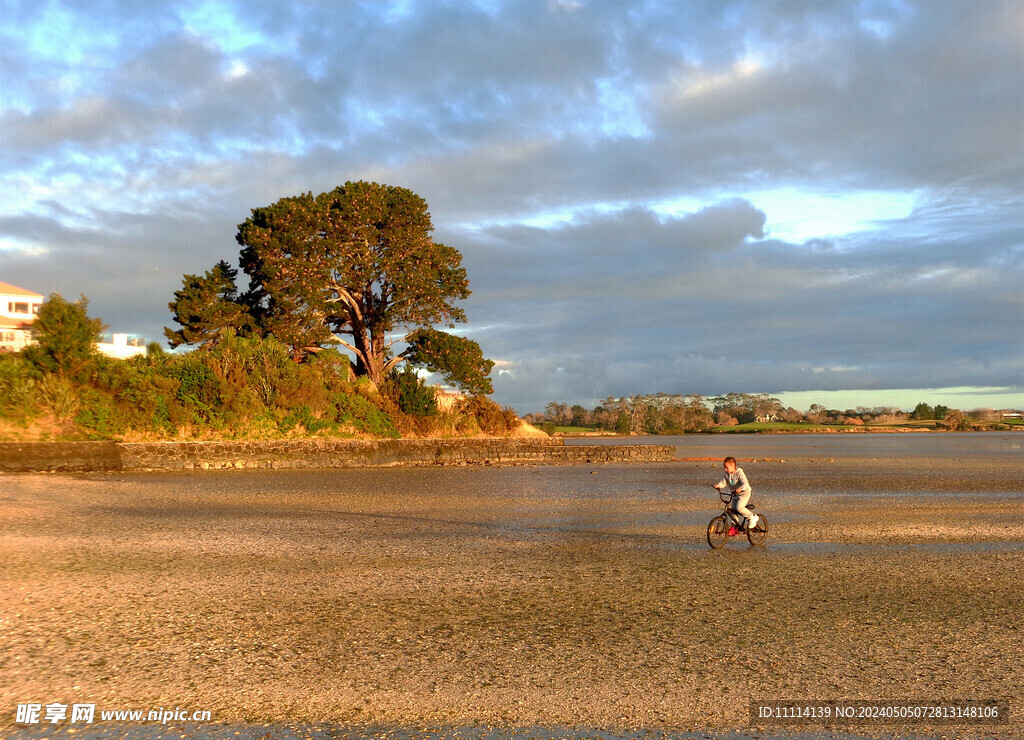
(549, 597)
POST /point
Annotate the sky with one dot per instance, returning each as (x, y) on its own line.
(799, 198)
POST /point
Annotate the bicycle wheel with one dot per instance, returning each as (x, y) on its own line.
(718, 532)
(759, 533)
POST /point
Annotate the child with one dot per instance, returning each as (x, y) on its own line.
(736, 480)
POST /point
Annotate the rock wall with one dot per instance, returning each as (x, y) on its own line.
(312, 453)
(69, 456)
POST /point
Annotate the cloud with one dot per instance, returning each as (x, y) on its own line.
(648, 196)
(882, 310)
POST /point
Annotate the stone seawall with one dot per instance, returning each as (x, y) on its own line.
(41, 456)
(311, 453)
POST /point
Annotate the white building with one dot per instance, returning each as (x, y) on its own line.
(121, 346)
(18, 309)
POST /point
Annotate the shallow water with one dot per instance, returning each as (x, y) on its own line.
(995, 446)
(529, 552)
(655, 507)
(631, 500)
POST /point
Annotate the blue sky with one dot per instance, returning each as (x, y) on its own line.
(798, 198)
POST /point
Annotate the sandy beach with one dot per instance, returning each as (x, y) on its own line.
(538, 597)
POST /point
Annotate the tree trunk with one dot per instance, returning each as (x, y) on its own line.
(374, 370)
(369, 356)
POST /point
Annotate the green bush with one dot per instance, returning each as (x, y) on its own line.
(198, 389)
(622, 424)
(145, 392)
(58, 396)
(363, 415)
(100, 416)
(17, 387)
(334, 370)
(242, 387)
(410, 393)
(303, 416)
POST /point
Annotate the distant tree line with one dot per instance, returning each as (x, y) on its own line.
(669, 414)
(657, 414)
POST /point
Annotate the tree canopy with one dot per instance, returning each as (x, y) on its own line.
(458, 360)
(355, 266)
(65, 337)
(206, 306)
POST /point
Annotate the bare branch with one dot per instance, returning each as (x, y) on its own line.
(344, 296)
(346, 345)
(394, 361)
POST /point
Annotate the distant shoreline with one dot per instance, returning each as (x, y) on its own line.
(816, 430)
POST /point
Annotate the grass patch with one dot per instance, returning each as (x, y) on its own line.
(917, 424)
(776, 426)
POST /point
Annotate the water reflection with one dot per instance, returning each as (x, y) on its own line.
(1007, 446)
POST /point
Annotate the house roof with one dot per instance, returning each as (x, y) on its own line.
(8, 289)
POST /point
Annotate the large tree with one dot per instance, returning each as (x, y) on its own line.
(358, 265)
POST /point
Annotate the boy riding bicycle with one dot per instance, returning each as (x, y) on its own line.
(737, 482)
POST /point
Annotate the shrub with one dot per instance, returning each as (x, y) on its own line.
(261, 366)
(490, 416)
(58, 396)
(302, 416)
(17, 384)
(333, 368)
(363, 415)
(150, 403)
(955, 421)
(302, 385)
(100, 416)
(410, 393)
(198, 388)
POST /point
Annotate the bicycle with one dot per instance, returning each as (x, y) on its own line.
(729, 524)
